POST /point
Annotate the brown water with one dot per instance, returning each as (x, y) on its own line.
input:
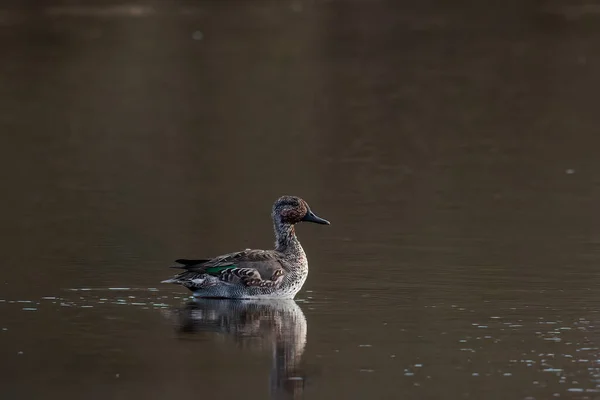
(454, 146)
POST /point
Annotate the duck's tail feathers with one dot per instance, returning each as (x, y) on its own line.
(185, 263)
(191, 280)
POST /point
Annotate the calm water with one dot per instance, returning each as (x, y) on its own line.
(453, 146)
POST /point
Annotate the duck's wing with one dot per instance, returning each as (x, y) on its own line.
(242, 265)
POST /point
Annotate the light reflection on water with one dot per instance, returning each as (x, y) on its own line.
(503, 341)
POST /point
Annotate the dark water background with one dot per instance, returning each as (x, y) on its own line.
(454, 146)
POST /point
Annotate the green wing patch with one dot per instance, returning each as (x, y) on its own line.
(219, 269)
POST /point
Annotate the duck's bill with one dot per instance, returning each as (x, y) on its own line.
(311, 217)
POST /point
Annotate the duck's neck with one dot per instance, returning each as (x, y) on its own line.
(285, 239)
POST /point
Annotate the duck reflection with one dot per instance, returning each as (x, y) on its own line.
(278, 324)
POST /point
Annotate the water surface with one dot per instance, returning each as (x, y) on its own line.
(452, 146)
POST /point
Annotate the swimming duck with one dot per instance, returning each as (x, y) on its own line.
(255, 274)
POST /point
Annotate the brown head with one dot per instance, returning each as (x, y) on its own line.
(291, 210)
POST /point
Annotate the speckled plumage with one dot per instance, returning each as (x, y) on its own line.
(256, 274)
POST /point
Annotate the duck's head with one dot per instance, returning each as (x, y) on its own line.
(291, 210)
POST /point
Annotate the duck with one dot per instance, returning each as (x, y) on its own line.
(255, 274)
